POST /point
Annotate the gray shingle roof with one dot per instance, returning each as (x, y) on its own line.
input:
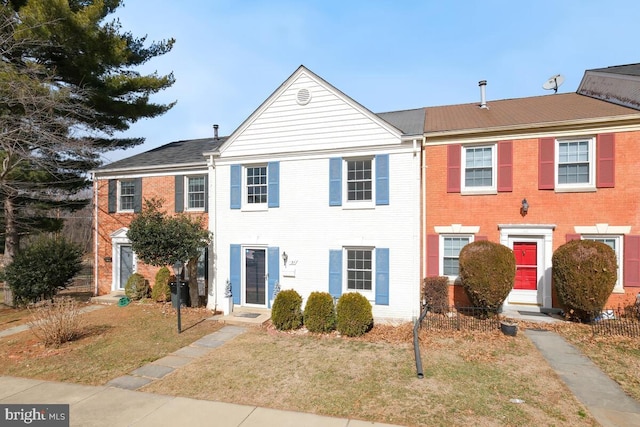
(410, 122)
(628, 70)
(174, 153)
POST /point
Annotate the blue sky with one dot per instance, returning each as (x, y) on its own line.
(230, 55)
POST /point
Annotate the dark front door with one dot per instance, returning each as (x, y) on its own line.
(255, 276)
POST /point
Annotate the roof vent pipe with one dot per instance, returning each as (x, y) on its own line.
(215, 132)
(483, 93)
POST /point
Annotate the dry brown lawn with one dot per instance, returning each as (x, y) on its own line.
(470, 379)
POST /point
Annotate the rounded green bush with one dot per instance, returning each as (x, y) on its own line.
(353, 314)
(286, 312)
(137, 287)
(161, 291)
(41, 269)
(487, 273)
(584, 275)
(319, 312)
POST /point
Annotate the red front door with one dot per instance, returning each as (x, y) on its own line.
(526, 254)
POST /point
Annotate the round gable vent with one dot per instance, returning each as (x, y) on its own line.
(303, 97)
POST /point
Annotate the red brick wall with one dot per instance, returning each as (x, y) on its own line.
(159, 187)
(617, 206)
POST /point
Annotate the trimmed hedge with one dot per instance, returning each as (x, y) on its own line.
(354, 314)
(286, 312)
(320, 313)
(137, 287)
(435, 293)
(584, 275)
(161, 290)
(487, 273)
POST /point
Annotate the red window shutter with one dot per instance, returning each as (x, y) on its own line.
(631, 261)
(546, 163)
(606, 160)
(505, 166)
(570, 237)
(433, 255)
(453, 168)
(478, 238)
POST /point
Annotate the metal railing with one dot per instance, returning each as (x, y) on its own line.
(624, 321)
(451, 318)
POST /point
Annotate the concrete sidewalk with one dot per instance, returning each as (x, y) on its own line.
(602, 396)
(104, 406)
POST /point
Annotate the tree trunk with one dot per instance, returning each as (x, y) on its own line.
(12, 237)
(194, 295)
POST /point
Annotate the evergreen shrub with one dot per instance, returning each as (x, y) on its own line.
(286, 312)
(320, 313)
(353, 314)
(584, 275)
(137, 287)
(161, 291)
(435, 293)
(487, 273)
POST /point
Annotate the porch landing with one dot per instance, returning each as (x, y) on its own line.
(112, 298)
(244, 316)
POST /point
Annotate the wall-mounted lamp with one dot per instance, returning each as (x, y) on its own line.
(285, 257)
(524, 208)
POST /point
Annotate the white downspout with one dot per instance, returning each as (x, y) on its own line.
(423, 210)
(212, 301)
(95, 233)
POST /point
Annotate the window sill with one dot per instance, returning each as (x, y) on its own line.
(256, 208)
(356, 205)
(575, 189)
(478, 192)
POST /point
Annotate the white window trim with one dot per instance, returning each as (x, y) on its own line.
(493, 189)
(619, 288)
(591, 185)
(119, 199)
(186, 193)
(370, 295)
(358, 204)
(441, 251)
(253, 207)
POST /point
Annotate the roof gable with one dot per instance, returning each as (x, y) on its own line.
(308, 114)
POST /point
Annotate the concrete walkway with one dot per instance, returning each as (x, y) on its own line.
(602, 396)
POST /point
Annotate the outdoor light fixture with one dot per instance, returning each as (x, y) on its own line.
(177, 271)
(525, 207)
(285, 257)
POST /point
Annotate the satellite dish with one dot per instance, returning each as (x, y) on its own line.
(554, 83)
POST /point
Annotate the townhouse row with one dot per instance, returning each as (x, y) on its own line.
(314, 192)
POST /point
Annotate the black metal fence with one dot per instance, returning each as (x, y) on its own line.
(451, 318)
(624, 321)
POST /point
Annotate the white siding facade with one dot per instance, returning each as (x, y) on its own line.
(302, 140)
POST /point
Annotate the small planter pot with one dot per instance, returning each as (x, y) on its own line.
(509, 328)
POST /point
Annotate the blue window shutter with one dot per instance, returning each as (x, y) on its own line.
(335, 181)
(236, 186)
(113, 196)
(137, 195)
(179, 191)
(335, 273)
(235, 262)
(382, 179)
(273, 270)
(273, 190)
(382, 276)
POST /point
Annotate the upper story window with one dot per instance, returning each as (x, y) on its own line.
(575, 163)
(127, 192)
(196, 192)
(479, 173)
(359, 180)
(256, 185)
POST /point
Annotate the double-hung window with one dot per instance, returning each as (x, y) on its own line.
(127, 191)
(479, 169)
(450, 254)
(575, 163)
(196, 192)
(359, 180)
(359, 269)
(615, 243)
(256, 185)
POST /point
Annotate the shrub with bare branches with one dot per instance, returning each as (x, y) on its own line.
(55, 323)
